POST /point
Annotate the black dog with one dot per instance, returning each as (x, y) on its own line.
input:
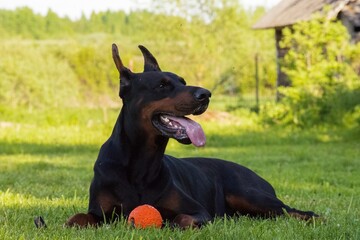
(132, 169)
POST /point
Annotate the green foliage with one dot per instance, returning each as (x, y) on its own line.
(56, 26)
(32, 75)
(320, 64)
(93, 69)
(78, 51)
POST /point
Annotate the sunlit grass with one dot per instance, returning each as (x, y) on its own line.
(46, 165)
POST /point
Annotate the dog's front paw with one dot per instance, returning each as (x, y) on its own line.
(185, 221)
(82, 220)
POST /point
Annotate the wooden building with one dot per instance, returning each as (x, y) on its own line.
(288, 12)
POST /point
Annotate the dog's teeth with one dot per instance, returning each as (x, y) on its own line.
(170, 123)
(164, 119)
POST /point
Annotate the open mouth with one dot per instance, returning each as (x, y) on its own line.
(181, 128)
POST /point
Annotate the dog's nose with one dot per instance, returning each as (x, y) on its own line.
(202, 94)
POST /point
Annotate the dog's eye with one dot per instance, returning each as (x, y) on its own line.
(164, 84)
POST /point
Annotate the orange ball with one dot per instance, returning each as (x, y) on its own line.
(145, 216)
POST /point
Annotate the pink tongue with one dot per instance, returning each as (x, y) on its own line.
(193, 130)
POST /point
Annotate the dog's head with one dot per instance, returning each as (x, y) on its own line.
(158, 102)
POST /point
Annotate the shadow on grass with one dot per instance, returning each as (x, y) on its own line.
(44, 170)
(263, 138)
(10, 148)
(53, 179)
(223, 138)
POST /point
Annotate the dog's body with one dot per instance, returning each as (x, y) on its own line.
(132, 169)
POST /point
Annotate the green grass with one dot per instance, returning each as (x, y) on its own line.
(46, 160)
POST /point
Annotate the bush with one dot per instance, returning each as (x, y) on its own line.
(320, 63)
(32, 75)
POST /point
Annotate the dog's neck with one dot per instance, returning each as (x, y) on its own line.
(142, 154)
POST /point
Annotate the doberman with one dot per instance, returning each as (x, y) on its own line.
(132, 169)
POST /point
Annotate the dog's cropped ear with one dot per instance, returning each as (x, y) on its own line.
(125, 73)
(150, 63)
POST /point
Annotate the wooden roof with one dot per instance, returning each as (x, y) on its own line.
(288, 12)
(352, 12)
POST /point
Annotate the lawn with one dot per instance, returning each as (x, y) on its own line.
(46, 160)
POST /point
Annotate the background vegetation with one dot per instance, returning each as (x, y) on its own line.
(212, 46)
(43, 55)
(324, 70)
(59, 101)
